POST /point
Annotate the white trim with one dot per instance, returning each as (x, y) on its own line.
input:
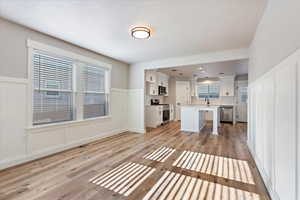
(60, 52)
(119, 90)
(135, 130)
(5, 79)
(66, 124)
(9, 163)
(262, 172)
(30, 86)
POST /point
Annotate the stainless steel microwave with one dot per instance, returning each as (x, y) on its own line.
(162, 90)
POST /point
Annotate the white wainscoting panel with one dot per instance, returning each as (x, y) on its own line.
(12, 118)
(136, 110)
(19, 144)
(285, 130)
(272, 133)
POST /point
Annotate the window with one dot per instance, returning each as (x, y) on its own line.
(243, 95)
(208, 91)
(66, 90)
(95, 99)
(52, 95)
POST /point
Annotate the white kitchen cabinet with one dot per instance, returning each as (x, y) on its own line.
(152, 89)
(227, 86)
(151, 76)
(154, 116)
(162, 79)
(154, 80)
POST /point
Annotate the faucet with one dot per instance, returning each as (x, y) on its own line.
(207, 101)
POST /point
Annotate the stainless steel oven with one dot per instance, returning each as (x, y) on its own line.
(166, 113)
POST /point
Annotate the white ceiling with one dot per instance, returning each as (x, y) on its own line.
(181, 28)
(236, 67)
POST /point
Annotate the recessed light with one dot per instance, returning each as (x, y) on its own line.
(141, 32)
(200, 68)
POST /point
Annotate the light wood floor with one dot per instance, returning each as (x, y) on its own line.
(68, 175)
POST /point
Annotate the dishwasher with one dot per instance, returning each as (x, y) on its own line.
(226, 113)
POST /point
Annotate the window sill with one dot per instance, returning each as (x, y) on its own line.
(67, 124)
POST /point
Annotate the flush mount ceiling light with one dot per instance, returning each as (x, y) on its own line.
(141, 32)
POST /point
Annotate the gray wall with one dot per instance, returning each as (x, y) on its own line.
(277, 36)
(13, 53)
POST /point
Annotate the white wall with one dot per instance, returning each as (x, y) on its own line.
(14, 56)
(277, 36)
(20, 143)
(273, 115)
(273, 127)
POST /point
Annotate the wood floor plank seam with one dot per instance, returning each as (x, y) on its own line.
(175, 186)
(123, 179)
(228, 168)
(65, 175)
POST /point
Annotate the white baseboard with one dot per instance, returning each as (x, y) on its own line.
(273, 194)
(137, 130)
(23, 159)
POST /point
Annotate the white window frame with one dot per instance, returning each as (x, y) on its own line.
(212, 83)
(34, 45)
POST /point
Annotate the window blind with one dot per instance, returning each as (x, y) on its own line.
(214, 91)
(203, 91)
(53, 89)
(208, 91)
(95, 99)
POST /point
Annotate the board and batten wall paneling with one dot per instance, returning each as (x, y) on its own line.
(136, 110)
(272, 137)
(285, 130)
(19, 144)
(12, 118)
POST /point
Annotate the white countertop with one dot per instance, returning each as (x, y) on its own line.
(200, 105)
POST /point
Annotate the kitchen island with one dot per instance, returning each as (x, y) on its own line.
(193, 117)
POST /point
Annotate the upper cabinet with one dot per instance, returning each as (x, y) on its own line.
(193, 88)
(227, 86)
(162, 79)
(154, 80)
(151, 76)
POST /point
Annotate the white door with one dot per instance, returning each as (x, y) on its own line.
(242, 101)
(183, 96)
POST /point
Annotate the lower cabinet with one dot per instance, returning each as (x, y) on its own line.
(154, 116)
